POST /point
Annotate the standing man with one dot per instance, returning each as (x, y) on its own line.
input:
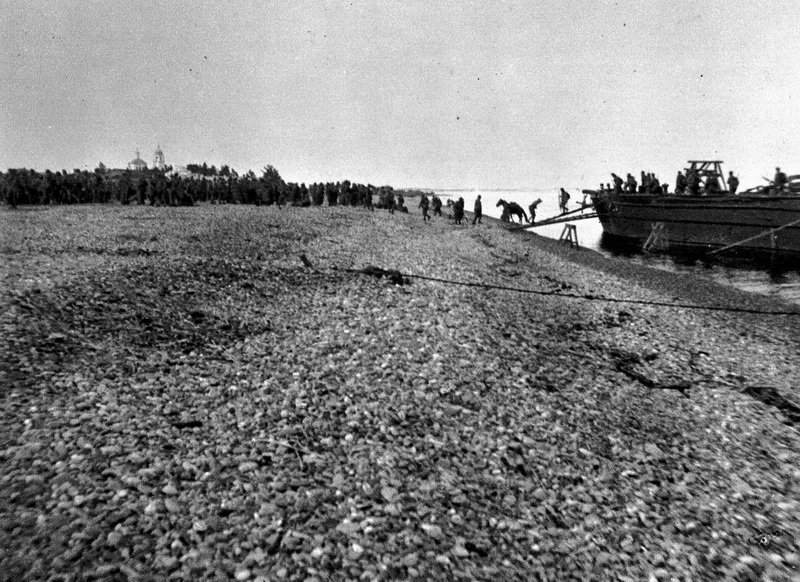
(436, 202)
(458, 210)
(534, 204)
(478, 210)
(693, 182)
(680, 183)
(780, 180)
(733, 182)
(390, 203)
(563, 198)
(617, 183)
(423, 203)
(631, 184)
(712, 185)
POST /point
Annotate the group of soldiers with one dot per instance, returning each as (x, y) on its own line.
(691, 184)
(649, 184)
(434, 203)
(158, 188)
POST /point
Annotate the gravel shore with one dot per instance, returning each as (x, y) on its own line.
(221, 392)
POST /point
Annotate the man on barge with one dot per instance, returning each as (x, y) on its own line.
(680, 183)
(617, 183)
(733, 183)
(631, 184)
(712, 185)
(693, 182)
(780, 180)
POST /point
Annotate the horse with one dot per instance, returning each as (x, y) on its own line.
(511, 209)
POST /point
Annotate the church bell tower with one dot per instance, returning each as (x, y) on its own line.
(158, 159)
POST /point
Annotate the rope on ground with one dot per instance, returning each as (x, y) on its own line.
(586, 296)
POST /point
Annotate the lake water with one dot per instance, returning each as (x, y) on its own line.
(785, 285)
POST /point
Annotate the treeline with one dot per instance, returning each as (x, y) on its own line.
(206, 170)
(153, 187)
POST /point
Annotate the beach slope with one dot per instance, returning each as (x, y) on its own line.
(239, 392)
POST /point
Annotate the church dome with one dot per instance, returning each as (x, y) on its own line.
(137, 163)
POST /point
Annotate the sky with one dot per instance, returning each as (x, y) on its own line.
(455, 94)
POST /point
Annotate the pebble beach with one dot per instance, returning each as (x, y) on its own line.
(329, 393)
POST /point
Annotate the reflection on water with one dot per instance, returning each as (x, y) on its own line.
(757, 274)
(754, 274)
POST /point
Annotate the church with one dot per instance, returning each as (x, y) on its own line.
(139, 164)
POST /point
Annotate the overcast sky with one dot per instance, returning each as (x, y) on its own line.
(530, 94)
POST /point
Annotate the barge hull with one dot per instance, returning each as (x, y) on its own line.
(705, 222)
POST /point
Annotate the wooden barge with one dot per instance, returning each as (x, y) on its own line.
(758, 221)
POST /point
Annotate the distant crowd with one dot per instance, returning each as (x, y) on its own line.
(158, 188)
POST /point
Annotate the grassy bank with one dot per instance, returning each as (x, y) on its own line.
(185, 397)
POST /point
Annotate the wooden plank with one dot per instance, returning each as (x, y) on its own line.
(555, 220)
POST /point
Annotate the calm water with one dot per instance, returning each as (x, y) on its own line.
(785, 285)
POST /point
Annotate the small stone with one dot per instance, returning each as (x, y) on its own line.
(135, 458)
(104, 570)
(242, 574)
(410, 560)
(348, 528)
(603, 558)
(317, 553)
(129, 572)
(248, 466)
(170, 489)
(166, 562)
(653, 450)
(172, 505)
(114, 538)
(257, 556)
(460, 551)
(432, 530)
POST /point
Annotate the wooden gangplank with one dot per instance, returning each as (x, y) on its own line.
(566, 217)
